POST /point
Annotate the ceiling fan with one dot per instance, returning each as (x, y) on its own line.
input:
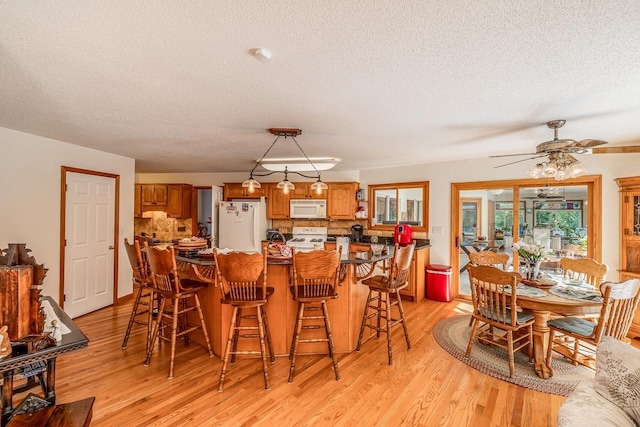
(546, 193)
(560, 163)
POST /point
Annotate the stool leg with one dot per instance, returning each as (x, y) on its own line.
(378, 314)
(296, 339)
(225, 358)
(332, 349)
(388, 326)
(263, 350)
(132, 318)
(204, 327)
(150, 318)
(236, 335)
(156, 329)
(404, 324)
(174, 334)
(268, 335)
(364, 320)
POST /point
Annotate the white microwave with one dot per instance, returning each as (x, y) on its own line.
(308, 208)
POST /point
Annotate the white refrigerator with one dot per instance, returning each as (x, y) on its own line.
(242, 226)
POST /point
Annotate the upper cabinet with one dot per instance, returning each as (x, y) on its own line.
(154, 194)
(277, 203)
(174, 199)
(402, 203)
(303, 191)
(179, 198)
(341, 200)
(237, 191)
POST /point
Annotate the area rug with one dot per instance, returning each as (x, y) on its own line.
(453, 334)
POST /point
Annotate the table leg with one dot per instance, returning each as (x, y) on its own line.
(540, 336)
(7, 396)
(51, 381)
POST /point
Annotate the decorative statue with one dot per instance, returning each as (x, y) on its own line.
(57, 332)
(5, 343)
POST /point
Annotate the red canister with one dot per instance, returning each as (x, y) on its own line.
(403, 234)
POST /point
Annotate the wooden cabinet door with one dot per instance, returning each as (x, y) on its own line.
(235, 190)
(341, 200)
(277, 203)
(301, 191)
(178, 201)
(154, 194)
(137, 201)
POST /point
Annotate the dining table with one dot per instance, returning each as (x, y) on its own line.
(543, 306)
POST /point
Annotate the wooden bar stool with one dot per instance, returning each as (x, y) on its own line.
(243, 281)
(314, 280)
(176, 292)
(380, 301)
(143, 304)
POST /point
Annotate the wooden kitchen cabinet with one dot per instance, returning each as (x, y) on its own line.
(137, 201)
(416, 289)
(303, 191)
(154, 194)
(179, 200)
(277, 203)
(630, 237)
(341, 200)
(235, 190)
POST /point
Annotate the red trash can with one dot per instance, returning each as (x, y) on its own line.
(438, 279)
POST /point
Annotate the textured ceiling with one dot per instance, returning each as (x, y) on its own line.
(174, 84)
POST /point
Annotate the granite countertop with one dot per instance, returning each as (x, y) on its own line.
(420, 243)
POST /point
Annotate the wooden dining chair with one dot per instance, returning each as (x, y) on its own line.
(585, 269)
(495, 310)
(499, 260)
(175, 295)
(314, 280)
(143, 304)
(620, 301)
(384, 293)
(243, 281)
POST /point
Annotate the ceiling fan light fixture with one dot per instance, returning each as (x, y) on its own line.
(576, 170)
(536, 172)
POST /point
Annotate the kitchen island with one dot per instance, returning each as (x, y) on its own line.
(345, 311)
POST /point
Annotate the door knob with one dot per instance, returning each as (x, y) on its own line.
(111, 247)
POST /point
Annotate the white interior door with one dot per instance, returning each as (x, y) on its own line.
(89, 249)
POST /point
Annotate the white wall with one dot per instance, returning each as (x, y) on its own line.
(441, 175)
(30, 168)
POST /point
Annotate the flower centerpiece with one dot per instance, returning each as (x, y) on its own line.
(532, 255)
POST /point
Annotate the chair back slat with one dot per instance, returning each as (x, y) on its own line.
(400, 265)
(586, 269)
(618, 308)
(242, 276)
(492, 300)
(494, 259)
(164, 272)
(138, 263)
(315, 273)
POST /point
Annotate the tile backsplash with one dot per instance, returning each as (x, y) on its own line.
(165, 229)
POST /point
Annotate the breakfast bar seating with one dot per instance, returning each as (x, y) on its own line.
(243, 281)
(314, 280)
(174, 295)
(142, 311)
(380, 300)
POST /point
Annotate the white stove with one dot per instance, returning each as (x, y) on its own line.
(306, 238)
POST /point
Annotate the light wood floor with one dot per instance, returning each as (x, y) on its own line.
(425, 386)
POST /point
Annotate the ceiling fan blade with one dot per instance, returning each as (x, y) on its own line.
(518, 161)
(588, 143)
(619, 149)
(512, 155)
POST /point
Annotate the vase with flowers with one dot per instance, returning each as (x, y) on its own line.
(531, 255)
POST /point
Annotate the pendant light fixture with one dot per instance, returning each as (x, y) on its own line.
(285, 185)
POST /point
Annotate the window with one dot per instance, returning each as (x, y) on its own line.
(504, 216)
(404, 203)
